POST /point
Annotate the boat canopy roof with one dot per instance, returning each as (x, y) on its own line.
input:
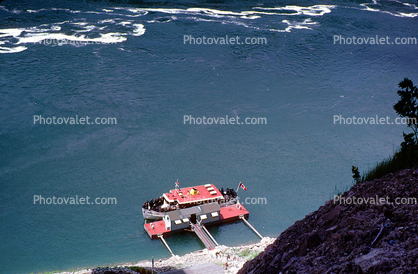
(193, 194)
(198, 210)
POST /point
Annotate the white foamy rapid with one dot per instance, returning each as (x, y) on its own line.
(78, 32)
(316, 10)
(12, 49)
(240, 18)
(117, 24)
(405, 9)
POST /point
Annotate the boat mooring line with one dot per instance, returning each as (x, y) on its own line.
(165, 243)
(247, 223)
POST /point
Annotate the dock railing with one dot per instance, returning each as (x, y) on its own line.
(201, 235)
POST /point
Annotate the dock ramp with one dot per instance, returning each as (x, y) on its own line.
(203, 236)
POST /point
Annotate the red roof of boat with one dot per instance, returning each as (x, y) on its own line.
(183, 195)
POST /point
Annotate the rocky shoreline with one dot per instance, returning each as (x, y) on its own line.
(380, 236)
(234, 256)
(366, 230)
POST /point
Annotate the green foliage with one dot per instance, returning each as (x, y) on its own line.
(252, 256)
(403, 159)
(409, 141)
(407, 155)
(407, 106)
(356, 174)
(248, 254)
(245, 253)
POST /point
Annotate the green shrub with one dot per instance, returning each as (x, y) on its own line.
(402, 159)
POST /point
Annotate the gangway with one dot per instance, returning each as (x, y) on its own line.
(210, 235)
(197, 229)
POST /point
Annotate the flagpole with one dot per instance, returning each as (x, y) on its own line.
(238, 187)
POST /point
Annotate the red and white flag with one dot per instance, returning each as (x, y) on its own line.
(241, 185)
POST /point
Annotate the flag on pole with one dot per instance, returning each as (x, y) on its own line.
(177, 183)
(241, 185)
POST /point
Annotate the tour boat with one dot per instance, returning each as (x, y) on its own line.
(181, 198)
(191, 209)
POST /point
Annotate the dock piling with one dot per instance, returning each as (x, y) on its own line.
(247, 223)
(165, 243)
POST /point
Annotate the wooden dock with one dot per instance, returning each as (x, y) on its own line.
(158, 229)
(227, 214)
